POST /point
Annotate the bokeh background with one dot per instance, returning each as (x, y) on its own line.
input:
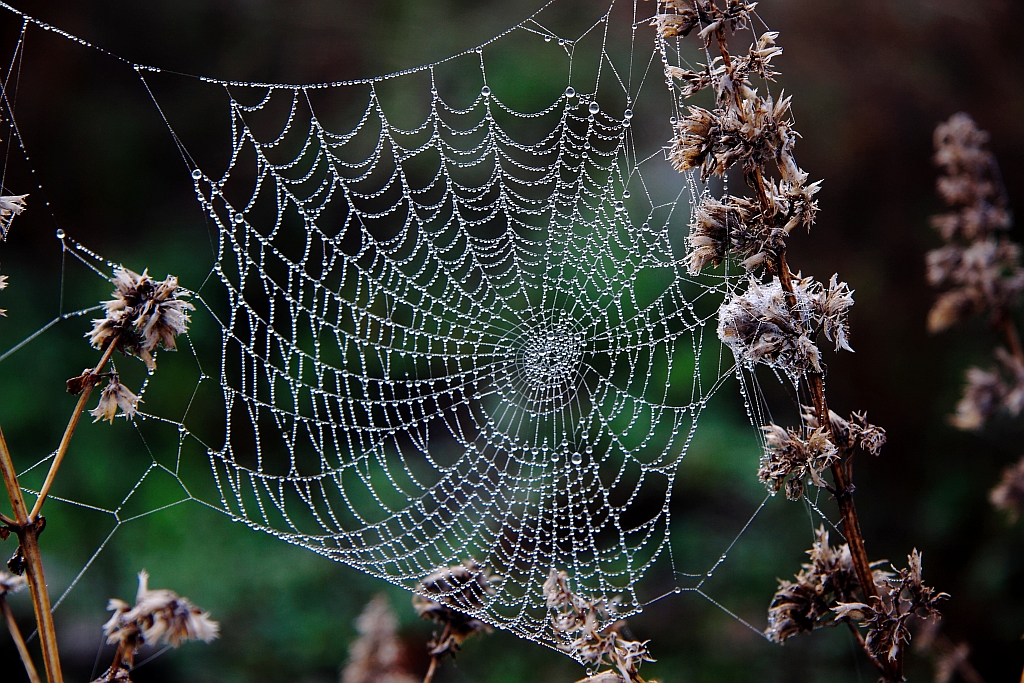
(870, 80)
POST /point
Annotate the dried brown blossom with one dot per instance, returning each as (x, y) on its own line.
(448, 597)
(760, 326)
(987, 392)
(376, 656)
(10, 206)
(592, 635)
(971, 184)
(856, 431)
(158, 616)
(142, 315)
(753, 132)
(725, 226)
(887, 618)
(676, 25)
(790, 457)
(115, 395)
(806, 603)
(1008, 495)
(985, 276)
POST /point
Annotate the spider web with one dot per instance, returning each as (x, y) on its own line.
(465, 339)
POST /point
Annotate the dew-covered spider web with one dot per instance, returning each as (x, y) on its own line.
(454, 329)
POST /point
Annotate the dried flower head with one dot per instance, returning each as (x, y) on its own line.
(760, 326)
(115, 395)
(158, 616)
(10, 206)
(376, 656)
(790, 457)
(970, 184)
(887, 618)
(142, 315)
(987, 392)
(590, 634)
(806, 603)
(985, 276)
(856, 431)
(1008, 495)
(449, 596)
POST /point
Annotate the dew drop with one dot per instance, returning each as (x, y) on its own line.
(485, 91)
(197, 174)
(239, 218)
(625, 194)
(594, 107)
(577, 458)
(628, 114)
(570, 92)
(60, 234)
(547, 39)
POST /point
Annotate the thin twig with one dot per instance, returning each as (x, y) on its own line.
(430, 671)
(68, 431)
(28, 537)
(19, 642)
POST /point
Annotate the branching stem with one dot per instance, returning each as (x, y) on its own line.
(68, 431)
(28, 536)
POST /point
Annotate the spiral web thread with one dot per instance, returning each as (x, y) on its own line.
(449, 345)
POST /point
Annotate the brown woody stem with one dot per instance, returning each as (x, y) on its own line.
(19, 642)
(28, 537)
(842, 473)
(68, 431)
(430, 671)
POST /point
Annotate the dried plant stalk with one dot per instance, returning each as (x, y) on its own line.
(776, 323)
(12, 584)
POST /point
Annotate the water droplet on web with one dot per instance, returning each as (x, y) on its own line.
(485, 91)
(594, 107)
(239, 218)
(628, 114)
(570, 92)
(197, 174)
(625, 194)
(577, 458)
(60, 234)
(547, 39)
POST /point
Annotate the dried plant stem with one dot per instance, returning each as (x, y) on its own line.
(435, 659)
(430, 671)
(19, 642)
(28, 536)
(842, 470)
(69, 430)
(27, 526)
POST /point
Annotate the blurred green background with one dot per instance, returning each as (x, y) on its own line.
(870, 81)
